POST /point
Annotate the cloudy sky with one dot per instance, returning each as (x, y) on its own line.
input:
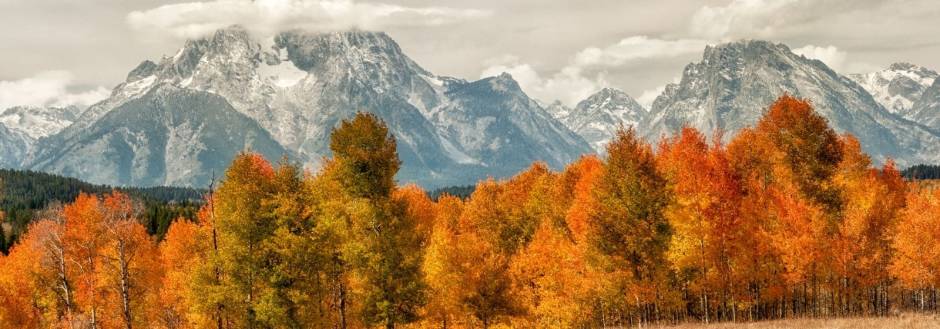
(74, 51)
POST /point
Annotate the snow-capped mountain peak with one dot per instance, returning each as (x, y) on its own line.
(733, 84)
(598, 117)
(21, 128)
(610, 100)
(557, 109)
(38, 122)
(898, 87)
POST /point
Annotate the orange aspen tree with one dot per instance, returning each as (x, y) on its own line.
(418, 206)
(553, 281)
(580, 178)
(183, 248)
(792, 155)
(130, 265)
(916, 262)
(442, 267)
(862, 251)
(85, 236)
(28, 296)
(705, 215)
(629, 231)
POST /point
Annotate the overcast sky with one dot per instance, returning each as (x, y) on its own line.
(74, 51)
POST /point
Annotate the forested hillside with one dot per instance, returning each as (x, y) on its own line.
(789, 219)
(23, 194)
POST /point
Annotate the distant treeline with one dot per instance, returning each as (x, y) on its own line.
(462, 192)
(922, 171)
(918, 172)
(23, 194)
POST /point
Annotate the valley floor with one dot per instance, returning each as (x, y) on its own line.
(907, 320)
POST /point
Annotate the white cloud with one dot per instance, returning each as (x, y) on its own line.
(586, 72)
(571, 85)
(647, 97)
(524, 74)
(49, 88)
(568, 85)
(860, 67)
(791, 19)
(636, 48)
(742, 18)
(194, 19)
(832, 56)
(801, 19)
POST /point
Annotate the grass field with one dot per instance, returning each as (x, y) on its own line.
(913, 321)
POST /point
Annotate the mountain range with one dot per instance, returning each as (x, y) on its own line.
(180, 120)
(895, 113)
(734, 82)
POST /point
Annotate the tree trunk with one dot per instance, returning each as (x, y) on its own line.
(125, 285)
(64, 282)
(704, 276)
(215, 248)
(342, 305)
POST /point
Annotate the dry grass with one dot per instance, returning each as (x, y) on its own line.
(910, 320)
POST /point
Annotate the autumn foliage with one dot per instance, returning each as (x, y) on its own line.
(788, 219)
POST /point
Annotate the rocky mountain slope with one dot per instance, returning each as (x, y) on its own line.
(14, 145)
(735, 82)
(169, 136)
(926, 110)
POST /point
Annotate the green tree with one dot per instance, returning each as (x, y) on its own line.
(297, 255)
(366, 156)
(390, 258)
(243, 224)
